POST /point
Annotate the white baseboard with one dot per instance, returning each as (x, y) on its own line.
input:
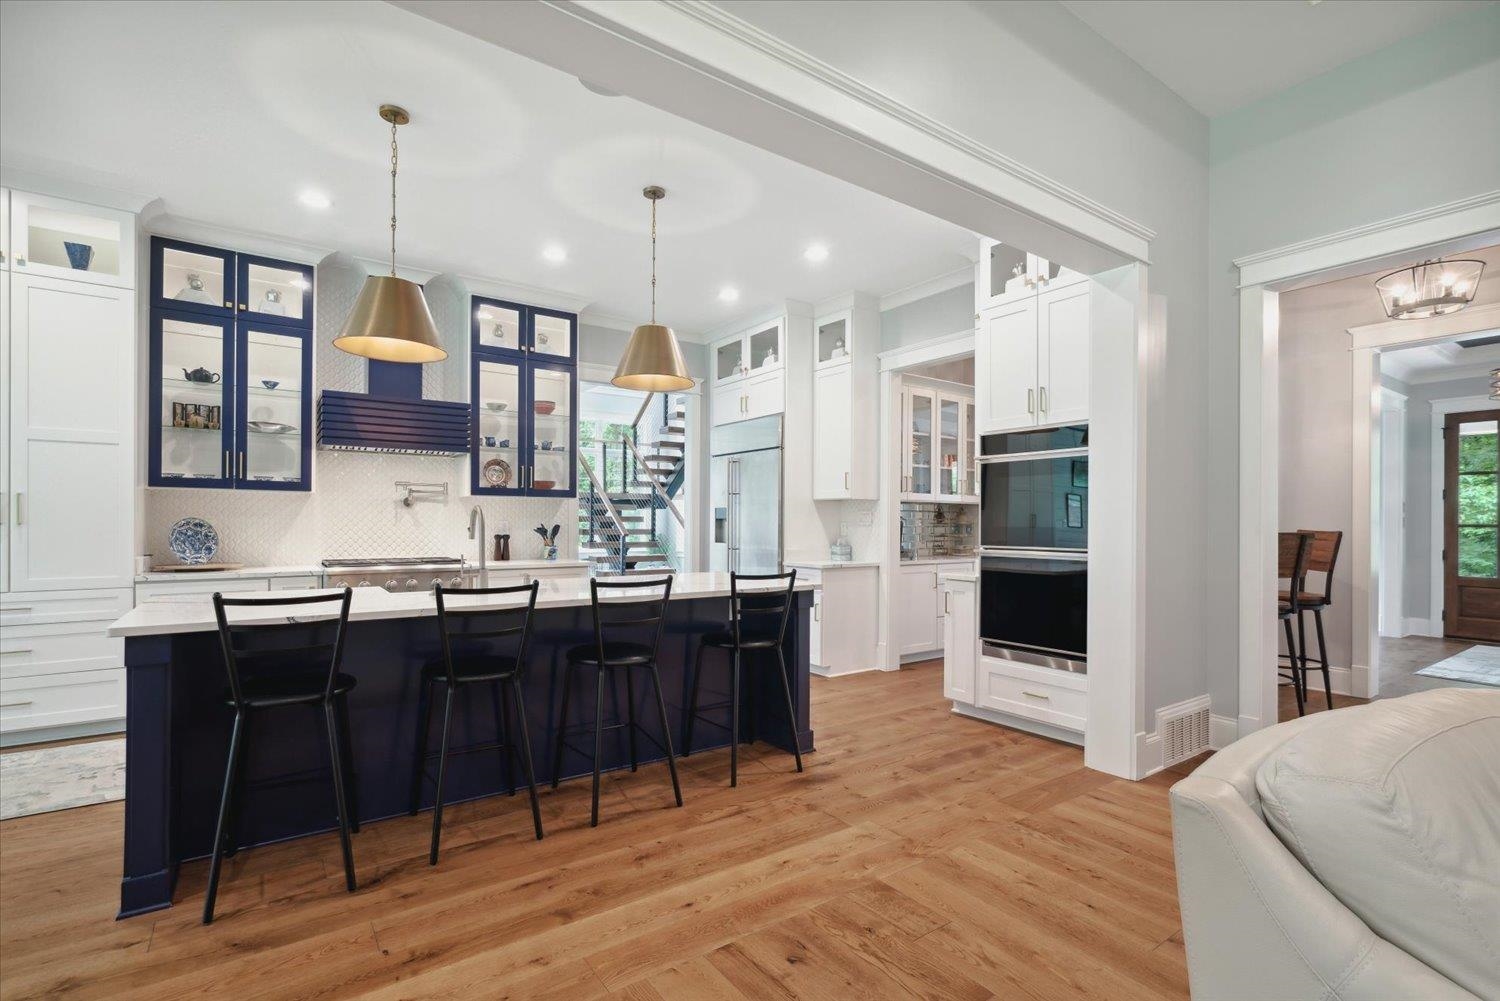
(1423, 627)
(1222, 731)
(1018, 723)
(828, 672)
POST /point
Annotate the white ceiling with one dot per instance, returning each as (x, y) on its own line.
(1440, 362)
(1219, 55)
(228, 111)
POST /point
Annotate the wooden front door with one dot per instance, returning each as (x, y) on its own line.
(1471, 526)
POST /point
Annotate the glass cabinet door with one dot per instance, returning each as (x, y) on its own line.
(765, 348)
(275, 291)
(49, 236)
(919, 440)
(193, 439)
(729, 360)
(497, 466)
(833, 340)
(192, 277)
(553, 334)
(497, 326)
(550, 466)
(950, 470)
(275, 406)
(970, 442)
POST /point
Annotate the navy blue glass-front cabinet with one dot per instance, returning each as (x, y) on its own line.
(524, 388)
(230, 388)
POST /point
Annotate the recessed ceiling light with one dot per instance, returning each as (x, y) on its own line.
(816, 252)
(729, 294)
(556, 253)
(315, 199)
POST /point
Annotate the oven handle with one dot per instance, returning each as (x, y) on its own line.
(991, 552)
(1060, 453)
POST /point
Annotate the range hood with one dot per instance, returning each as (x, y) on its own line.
(392, 417)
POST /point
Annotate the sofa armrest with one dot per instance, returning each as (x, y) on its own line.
(1258, 925)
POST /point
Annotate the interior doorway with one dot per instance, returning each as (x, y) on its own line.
(1471, 526)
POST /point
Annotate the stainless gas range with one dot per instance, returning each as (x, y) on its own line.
(401, 573)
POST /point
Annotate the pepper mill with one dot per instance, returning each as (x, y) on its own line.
(502, 547)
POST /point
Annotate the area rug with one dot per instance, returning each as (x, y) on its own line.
(1479, 665)
(60, 778)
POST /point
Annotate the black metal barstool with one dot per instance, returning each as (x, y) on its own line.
(293, 661)
(474, 633)
(1322, 557)
(757, 621)
(1291, 564)
(629, 607)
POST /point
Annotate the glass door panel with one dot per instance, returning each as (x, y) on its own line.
(765, 348)
(551, 466)
(1478, 514)
(191, 277)
(552, 334)
(1001, 267)
(193, 415)
(497, 436)
(497, 325)
(276, 290)
(729, 360)
(56, 238)
(948, 453)
(833, 340)
(274, 402)
(919, 433)
(971, 480)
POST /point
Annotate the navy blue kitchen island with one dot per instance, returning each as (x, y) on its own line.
(177, 723)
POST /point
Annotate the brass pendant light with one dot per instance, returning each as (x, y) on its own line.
(652, 361)
(390, 320)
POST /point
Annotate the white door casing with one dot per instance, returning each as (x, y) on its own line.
(1392, 512)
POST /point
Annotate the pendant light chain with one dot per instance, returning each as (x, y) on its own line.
(393, 199)
(653, 260)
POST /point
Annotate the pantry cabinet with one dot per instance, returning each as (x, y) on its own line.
(845, 403)
(1031, 360)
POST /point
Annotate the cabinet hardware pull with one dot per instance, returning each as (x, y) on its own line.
(947, 602)
(1037, 695)
(229, 305)
(1030, 407)
(20, 511)
(226, 464)
(1042, 396)
(242, 465)
(817, 611)
(846, 481)
(13, 653)
(16, 704)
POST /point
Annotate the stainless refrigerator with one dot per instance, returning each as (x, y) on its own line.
(745, 497)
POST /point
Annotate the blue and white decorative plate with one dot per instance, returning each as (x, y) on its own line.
(193, 540)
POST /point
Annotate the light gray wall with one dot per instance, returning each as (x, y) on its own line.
(923, 319)
(1033, 82)
(1318, 158)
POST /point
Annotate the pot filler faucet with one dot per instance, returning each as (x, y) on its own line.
(476, 517)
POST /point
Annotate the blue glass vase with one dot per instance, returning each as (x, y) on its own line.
(80, 255)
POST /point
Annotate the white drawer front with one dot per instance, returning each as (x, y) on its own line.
(177, 590)
(998, 689)
(294, 583)
(61, 700)
(58, 648)
(25, 608)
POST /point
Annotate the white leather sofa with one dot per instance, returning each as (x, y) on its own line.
(1348, 855)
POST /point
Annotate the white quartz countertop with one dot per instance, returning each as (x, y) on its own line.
(499, 566)
(930, 560)
(157, 576)
(196, 614)
(832, 564)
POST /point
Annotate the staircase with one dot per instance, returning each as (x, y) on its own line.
(628, 526)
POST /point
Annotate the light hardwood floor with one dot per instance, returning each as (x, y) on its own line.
(921, 854)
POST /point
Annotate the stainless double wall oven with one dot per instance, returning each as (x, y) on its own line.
(1033, 541)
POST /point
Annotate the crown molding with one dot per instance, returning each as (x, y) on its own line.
(1452, 220)
(930, 287)
(42, 183)
(745, 33)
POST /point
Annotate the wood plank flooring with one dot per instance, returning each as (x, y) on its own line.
(920, 855)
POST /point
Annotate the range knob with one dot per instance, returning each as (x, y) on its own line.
(411, 584)
(364, 583)
(456, 582)
(392, 585)
(437, 581)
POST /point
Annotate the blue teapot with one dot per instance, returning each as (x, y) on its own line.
(200, 375)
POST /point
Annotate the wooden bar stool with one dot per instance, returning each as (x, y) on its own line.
(631, 608)
(275, 665)
(757, 622)
(1321, 558)
(1292, 550)
(477, 650)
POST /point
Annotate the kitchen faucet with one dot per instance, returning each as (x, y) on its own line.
(477, 516)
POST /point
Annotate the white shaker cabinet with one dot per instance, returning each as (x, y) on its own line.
(71, 454)
(937, 444)
(842, 636)
(960, 637)
(1031, 358)
(833, 433)
(748, 373)
(918, 611)
(1063, 355)
(846, 407)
